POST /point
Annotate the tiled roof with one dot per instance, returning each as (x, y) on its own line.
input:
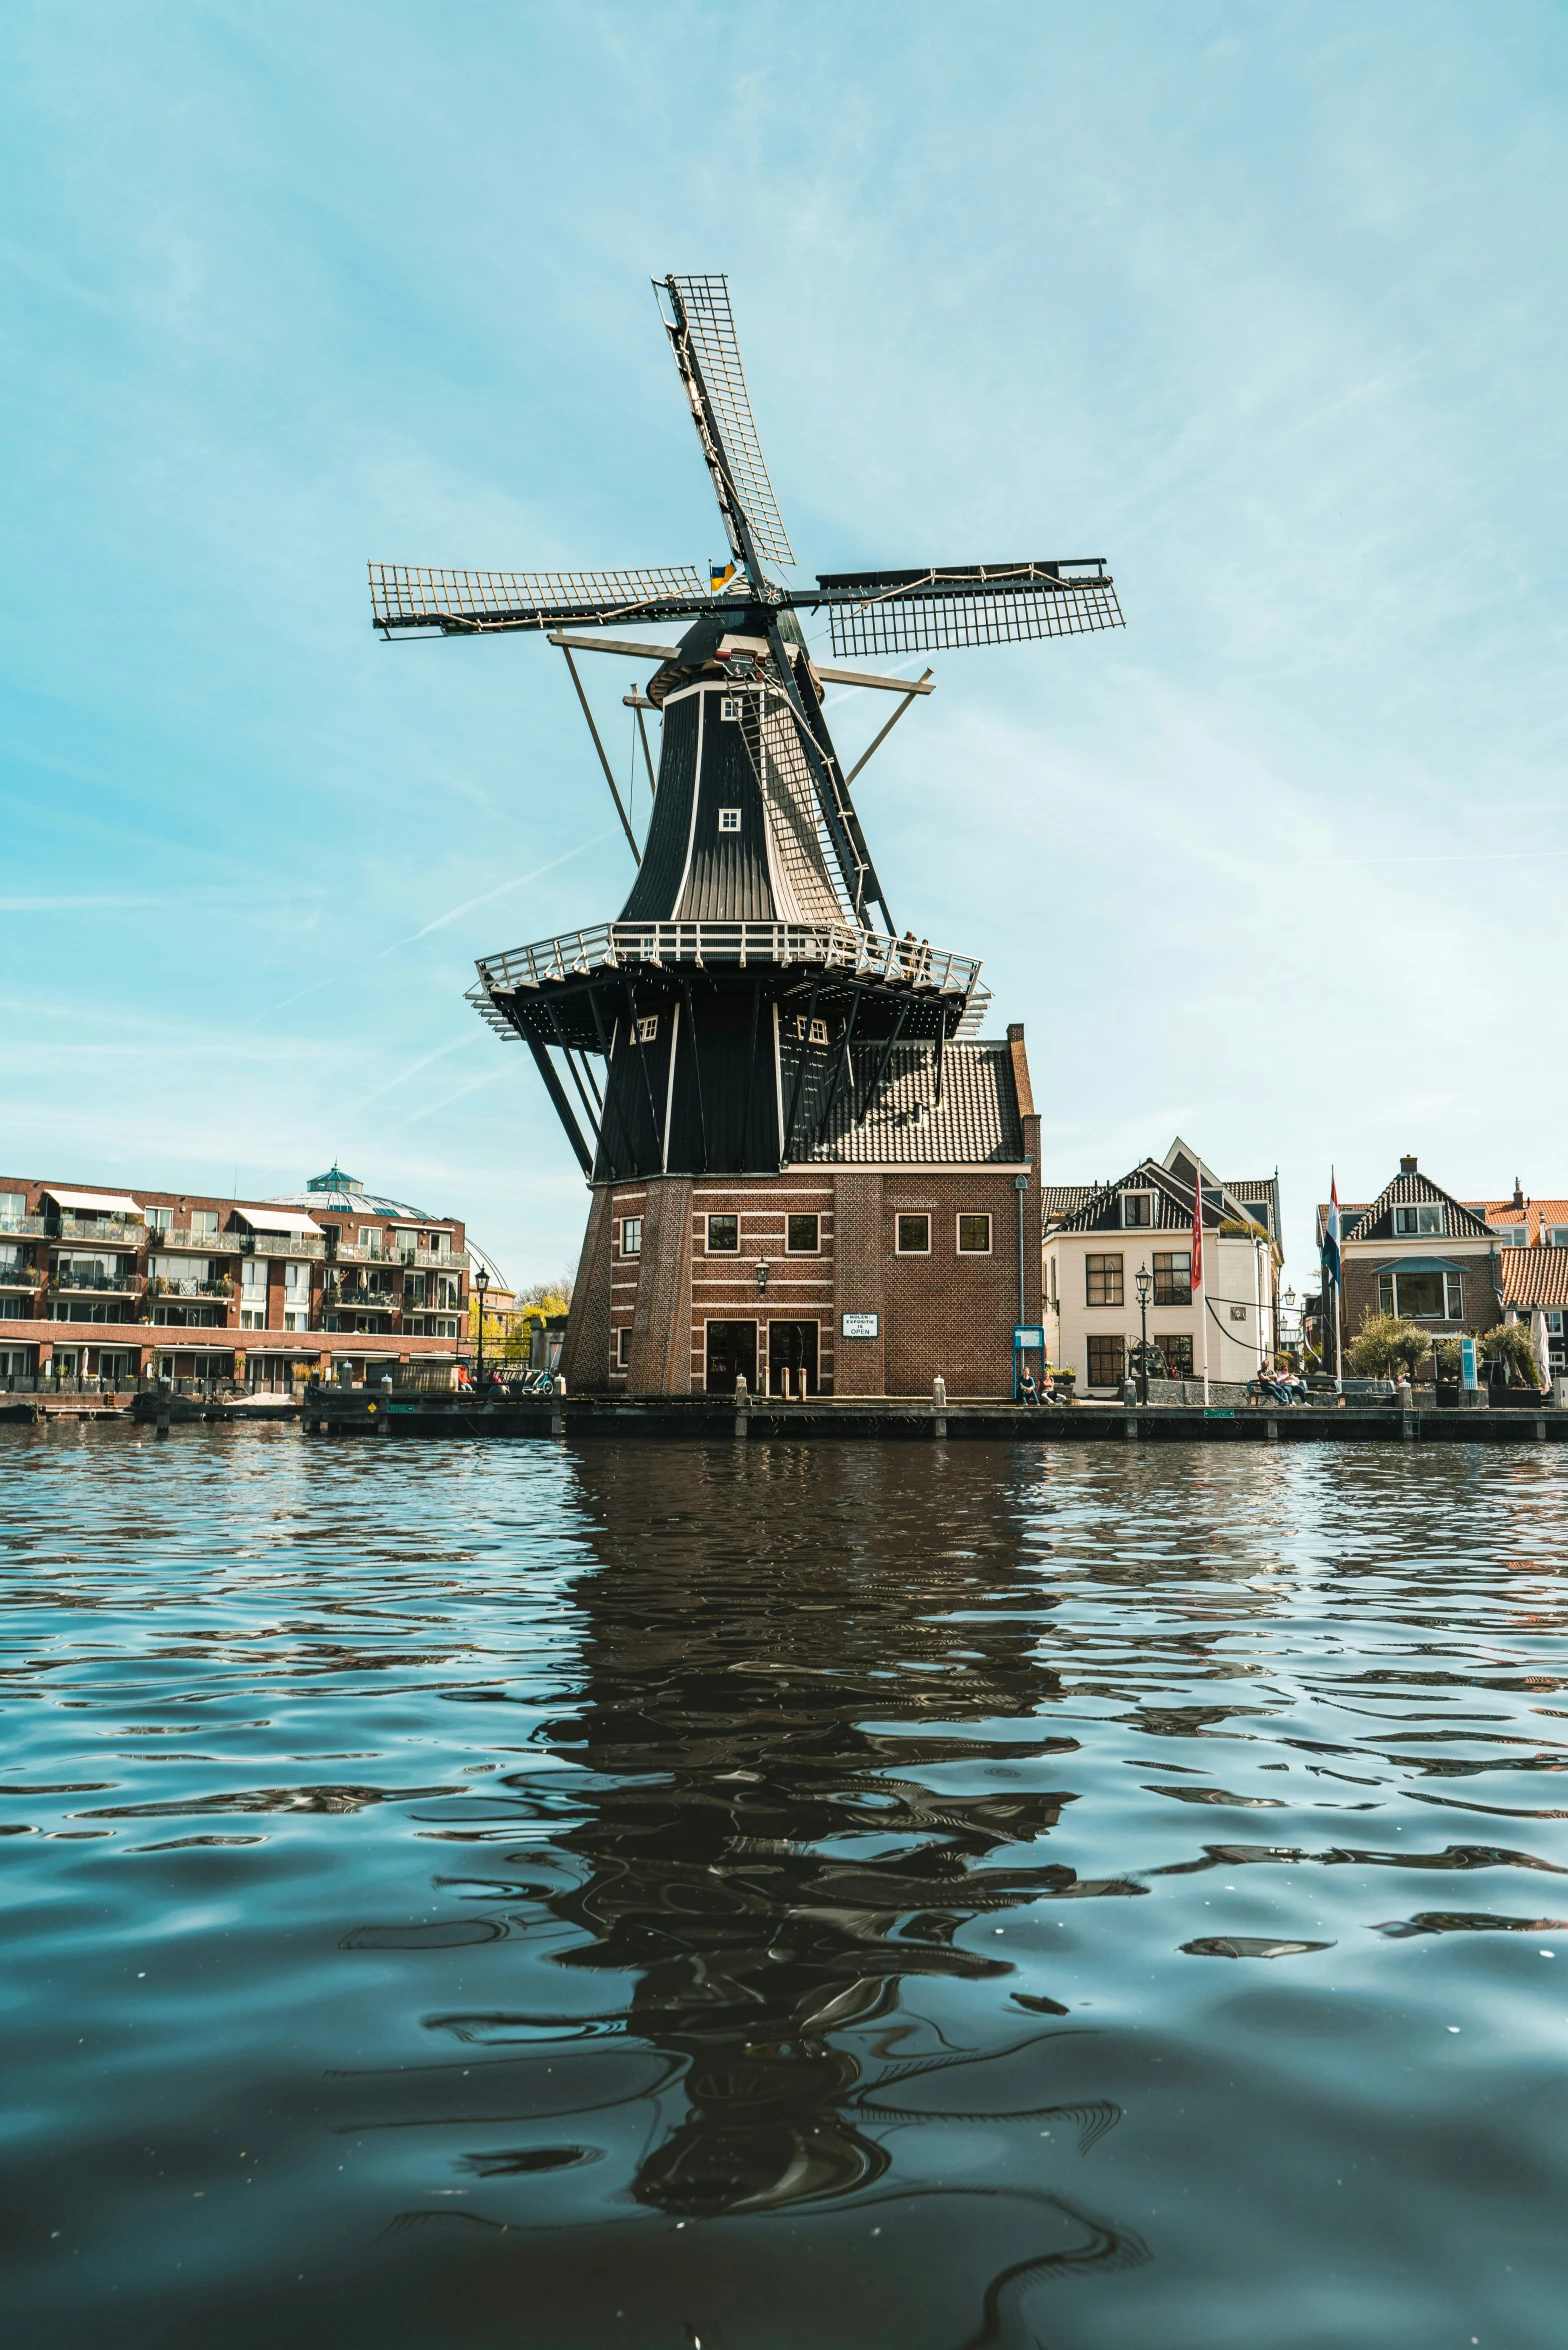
(975, 1124)
(1060, 1199)
(1537, 1215)
(1097, 1209)
(1534, 1276)
(1403, 1192)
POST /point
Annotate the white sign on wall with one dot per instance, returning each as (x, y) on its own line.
(860, 1325)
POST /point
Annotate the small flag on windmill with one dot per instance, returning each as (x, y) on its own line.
(719, 576)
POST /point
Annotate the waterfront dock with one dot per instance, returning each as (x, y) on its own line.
(910, 1420)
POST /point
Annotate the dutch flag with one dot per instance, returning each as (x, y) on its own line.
(1331, 1233)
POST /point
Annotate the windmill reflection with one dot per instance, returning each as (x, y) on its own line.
(761, 1710)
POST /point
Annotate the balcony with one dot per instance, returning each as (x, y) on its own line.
(82, 1283)
(176, 1242)
(356, 1298)
(272, 1244)
(101, 1231)
(427, 1259)
(24, 1227)
(20, 1277)
(176, 1285)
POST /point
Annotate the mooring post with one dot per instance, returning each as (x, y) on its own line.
(939, 1405)
(742, 1405)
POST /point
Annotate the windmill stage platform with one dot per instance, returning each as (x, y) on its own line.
(907, 1420)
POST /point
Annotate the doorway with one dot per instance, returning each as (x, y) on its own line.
(792, 1358)
(732, 1354)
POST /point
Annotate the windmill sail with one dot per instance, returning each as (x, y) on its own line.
(703, 314)
(963, 604)
(465, 603)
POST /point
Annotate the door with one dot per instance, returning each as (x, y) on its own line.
(732, 1353)
(792, 1358)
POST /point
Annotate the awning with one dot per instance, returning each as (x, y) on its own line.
(1427, 1265)
(98, 1203)
(277, 1220)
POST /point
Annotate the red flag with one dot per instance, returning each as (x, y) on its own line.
(1197, 1231)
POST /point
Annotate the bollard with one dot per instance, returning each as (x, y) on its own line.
(742, 1405)
(939, 1406)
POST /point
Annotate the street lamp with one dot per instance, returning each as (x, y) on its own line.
(1143, 1282)
(482, 1283)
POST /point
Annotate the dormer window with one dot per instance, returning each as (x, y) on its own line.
(1137, 1211)
(729, 819)
(1422, 1221)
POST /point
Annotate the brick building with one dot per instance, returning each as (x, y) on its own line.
(121, 1284)
(1421, 1253)
(895, 1250)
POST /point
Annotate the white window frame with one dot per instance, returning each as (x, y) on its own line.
(729, 819)
(621, 1361)
(1415, 1229)
(729, 706)
(727, 1216)
(1148, 1223)
(967, 1215)
(815, 1250)
(631, 1226)
(648, 1028)
(901, 1216)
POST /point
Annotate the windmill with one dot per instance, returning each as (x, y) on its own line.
(744, 1001)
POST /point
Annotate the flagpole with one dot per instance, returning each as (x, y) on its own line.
(1197, 1272)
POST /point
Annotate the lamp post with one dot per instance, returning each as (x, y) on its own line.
(481, 1283)
(1297, 1342)
(1143, 1282)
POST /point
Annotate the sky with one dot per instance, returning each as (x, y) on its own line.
(1264, 304)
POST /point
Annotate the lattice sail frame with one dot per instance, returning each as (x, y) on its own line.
(407, 595)
(802, 853)
(711, 324)
(938, 610)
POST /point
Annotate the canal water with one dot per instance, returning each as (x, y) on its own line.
(952, 1897)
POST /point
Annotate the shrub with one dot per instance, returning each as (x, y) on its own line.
(1510, 1343)
(1384, 1346)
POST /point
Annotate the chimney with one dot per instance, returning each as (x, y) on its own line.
(1407, 1166)
(1518, 1199)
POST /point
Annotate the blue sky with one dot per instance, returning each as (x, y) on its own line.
(1263, 303)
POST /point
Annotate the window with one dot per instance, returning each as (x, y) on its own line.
(1137, 1210)
(1173, 1277)
(1557, 1236)
(729, 707)
(1427, 1218)
(623, 1347)
(974, 1236)
(723, 1236)
(370, 1239)
(13, 1207)
(914, 1236)
(253, 1279)
(801, 1236)
(1259, 1210)
(1514, 1235)
(158, 1219)
(204, 1221)
(1422, 1297)
(1104, 1281)
(1177, 1350)
(648, 1028)
(1107, 1362)
(631, 1236)
(729, 819)
(296, 1282)
(818, 1029)
(253, 1317)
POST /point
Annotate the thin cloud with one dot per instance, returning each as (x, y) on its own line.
(517, 882)
(459, 1044)
(490, 1078)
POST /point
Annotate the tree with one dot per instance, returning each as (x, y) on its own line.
(1510, 1343)
(1384, 1346)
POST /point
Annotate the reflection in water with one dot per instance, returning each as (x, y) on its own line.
(753, 1896)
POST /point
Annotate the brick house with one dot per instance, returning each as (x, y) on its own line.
(118, 1285)
(1418, 1252)
(890, 1253)
(1098, 1237)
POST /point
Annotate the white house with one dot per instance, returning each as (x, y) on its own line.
(1099, 1237)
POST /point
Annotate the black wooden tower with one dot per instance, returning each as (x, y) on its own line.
(743, 998)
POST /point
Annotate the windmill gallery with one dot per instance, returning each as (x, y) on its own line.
(809, 1167)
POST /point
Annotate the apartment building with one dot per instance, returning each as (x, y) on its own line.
(124, 1284)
